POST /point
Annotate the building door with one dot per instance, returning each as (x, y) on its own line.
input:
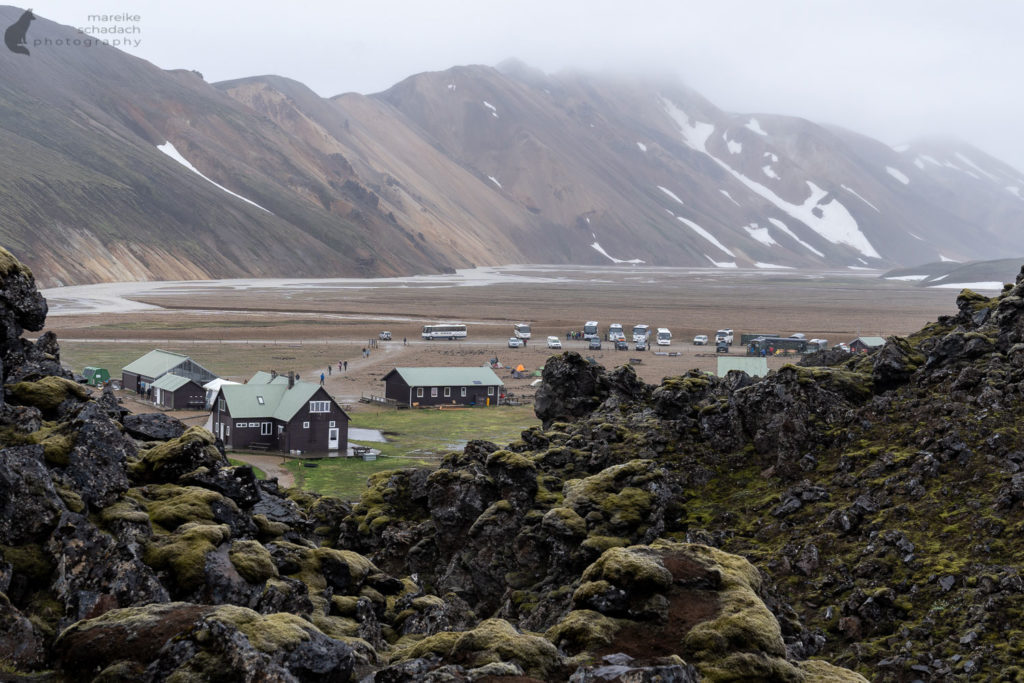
(332, 438)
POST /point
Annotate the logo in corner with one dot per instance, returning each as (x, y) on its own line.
(14, 36)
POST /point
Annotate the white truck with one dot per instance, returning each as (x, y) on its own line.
(724, 335)
(664, 337)
(615, 332)
(521, 330)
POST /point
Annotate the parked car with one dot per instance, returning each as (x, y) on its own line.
(721, 346)
(621, 345)
(700, 340)
(384, 336)
(640, 345)
(554, 343)
(515, 343)
(595, 344)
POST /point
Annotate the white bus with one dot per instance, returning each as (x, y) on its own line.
(664, 337)
(448, 331)
(591, 330)
(641, 332)
(615, 332)
(521, 330)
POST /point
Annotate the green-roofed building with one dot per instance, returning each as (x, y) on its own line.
(142, 372)
(444, 386)
(175, 392)
(285, 415)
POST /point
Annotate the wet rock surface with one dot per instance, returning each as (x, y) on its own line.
(824, 523)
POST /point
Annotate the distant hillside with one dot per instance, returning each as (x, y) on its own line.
(118, 170)
(976, 274)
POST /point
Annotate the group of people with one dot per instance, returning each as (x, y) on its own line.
(574, 334)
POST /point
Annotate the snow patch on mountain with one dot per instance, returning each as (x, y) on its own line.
(977, 168)
(671, 194)
(830, 219)
(494, 110)
(1014, 190)
(858, 196)
(947, 259)
(897, 174)
(599, 249)
(706, 235)
(722, 264)
(771, 266)
(495, 181)
(997, 286)
(168, 149)
(773, 157)
(760, 234)
(733, 146)
(770, 172)
(753, 125)
(784, 228)
(908, 278)
(642, 146)
(729, 197)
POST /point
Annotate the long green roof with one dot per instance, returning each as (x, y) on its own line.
(278, 401)
(155, 363)
(871, 341)
(442, 377)
(171, 382)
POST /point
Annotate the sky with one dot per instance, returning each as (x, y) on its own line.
(896, 70)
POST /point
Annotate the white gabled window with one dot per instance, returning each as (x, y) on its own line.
(447, 391)
(319, 406)
(240, 425)
(433, 392)
(419, 392)
(266, 429)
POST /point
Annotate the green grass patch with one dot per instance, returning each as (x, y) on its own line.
(260, 474)
(430, 433)
(416, 438)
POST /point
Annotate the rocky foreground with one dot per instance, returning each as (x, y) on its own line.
(856, 518)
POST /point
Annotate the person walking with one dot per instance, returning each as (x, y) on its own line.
(346, 366)
(329, 370)
(321, 379)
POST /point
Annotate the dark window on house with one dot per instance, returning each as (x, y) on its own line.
(447, 391)
(490, 391)
(319, 406)
(220, 404)
(463, 392)
(433, 392)
(266, 429)
(419, 392)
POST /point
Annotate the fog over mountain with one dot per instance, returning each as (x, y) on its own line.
(119, 170)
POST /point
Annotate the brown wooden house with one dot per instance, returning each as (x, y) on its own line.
(443, 386)
(178, 393)
(283, 415)
(866, 344)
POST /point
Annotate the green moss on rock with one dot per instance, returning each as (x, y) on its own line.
(47, 393)
(267, 633)
(252, 561)
(184, 552)
(582, 630)
(636, 567)
(170, 506)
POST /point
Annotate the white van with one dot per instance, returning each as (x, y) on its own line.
(724, 335)
(615, 332)
(664, 337)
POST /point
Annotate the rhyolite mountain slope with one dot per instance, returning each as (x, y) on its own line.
(470, 166)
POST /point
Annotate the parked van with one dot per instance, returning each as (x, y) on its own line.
(664, 337)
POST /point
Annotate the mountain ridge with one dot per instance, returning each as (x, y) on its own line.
(475, 165)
